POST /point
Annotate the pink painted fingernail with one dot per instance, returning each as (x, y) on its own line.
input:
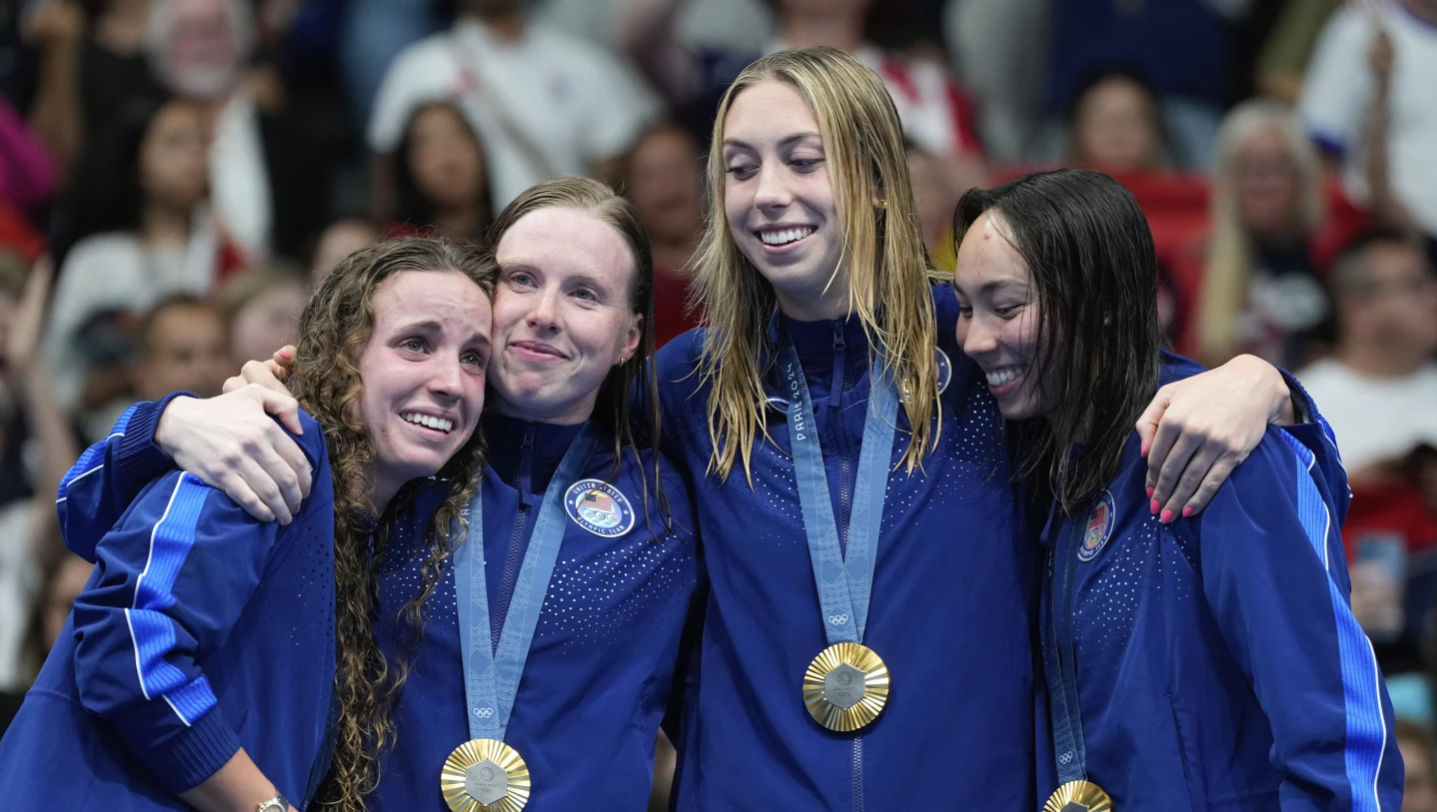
(1188, 511)
(1154, 507)
(1166, 517)
(1150, 491)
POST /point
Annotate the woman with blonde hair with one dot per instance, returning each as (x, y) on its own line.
(1259, 290)
(851, 477)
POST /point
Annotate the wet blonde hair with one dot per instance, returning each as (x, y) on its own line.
(1228, 272)
(888, 269)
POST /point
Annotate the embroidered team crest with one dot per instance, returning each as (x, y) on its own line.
(1100, 526)
(599, 508)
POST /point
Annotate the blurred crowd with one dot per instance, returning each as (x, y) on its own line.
(175, 174)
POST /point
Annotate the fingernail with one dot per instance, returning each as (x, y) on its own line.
(1188, 511)
(1166, 517)
(1154, 507)
(1150, 491)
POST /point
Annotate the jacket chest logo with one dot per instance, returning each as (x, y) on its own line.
(599, 508)
(1099, 527)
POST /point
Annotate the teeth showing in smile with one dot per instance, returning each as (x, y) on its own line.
(436, 423)
(1002, 376)
(785, 236)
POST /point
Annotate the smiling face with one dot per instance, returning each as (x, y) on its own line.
(998, 315)
(423, 374)
(778, 198)
(563, 316)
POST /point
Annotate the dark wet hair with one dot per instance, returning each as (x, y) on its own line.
(1090, 252)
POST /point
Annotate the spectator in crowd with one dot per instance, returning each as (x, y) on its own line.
(1181, 47)
(156, 235)
(1379, 388)
(934, 110)
(663, 178)
(269, 177)
(1420, 792)
(1115, 124)
(91, 66)
(1378, 391)
(1369, 104)
(183, 346)
(262, 306)
(441, 182)
(543, 103)
(1255, 280)
(338, 240)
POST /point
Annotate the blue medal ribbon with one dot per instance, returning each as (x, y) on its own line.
(1059, 666)
(845, 582)
(491, 675)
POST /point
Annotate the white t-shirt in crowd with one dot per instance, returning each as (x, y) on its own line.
(546, 105)
(1375, 419)
(1337, 97)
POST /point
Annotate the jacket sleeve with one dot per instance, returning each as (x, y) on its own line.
(108, 476)
(1311, 429)
(172, 577)
(1276, 578)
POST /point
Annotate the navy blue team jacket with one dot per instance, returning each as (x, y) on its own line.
(950, 614)
(1218, 662)
(201, 631)
(601, 663)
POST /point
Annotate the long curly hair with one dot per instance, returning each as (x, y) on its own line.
(888, 268)
(334, 329)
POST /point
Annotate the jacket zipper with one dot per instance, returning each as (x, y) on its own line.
(516, 538)
(845, 505)
(835, 419)
(858, 804)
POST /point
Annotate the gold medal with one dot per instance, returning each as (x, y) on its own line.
(846, 687)
(485, 775)
(1079, 796)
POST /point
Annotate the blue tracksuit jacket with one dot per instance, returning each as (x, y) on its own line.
(601, 663)
(1219, 666)
(201, 631)
(602, 659)
(951, 607)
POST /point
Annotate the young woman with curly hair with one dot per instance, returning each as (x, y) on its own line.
(211, 653)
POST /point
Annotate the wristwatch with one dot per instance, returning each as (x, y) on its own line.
(276, 804)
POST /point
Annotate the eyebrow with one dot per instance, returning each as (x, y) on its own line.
(782, 142)
(431, 326)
